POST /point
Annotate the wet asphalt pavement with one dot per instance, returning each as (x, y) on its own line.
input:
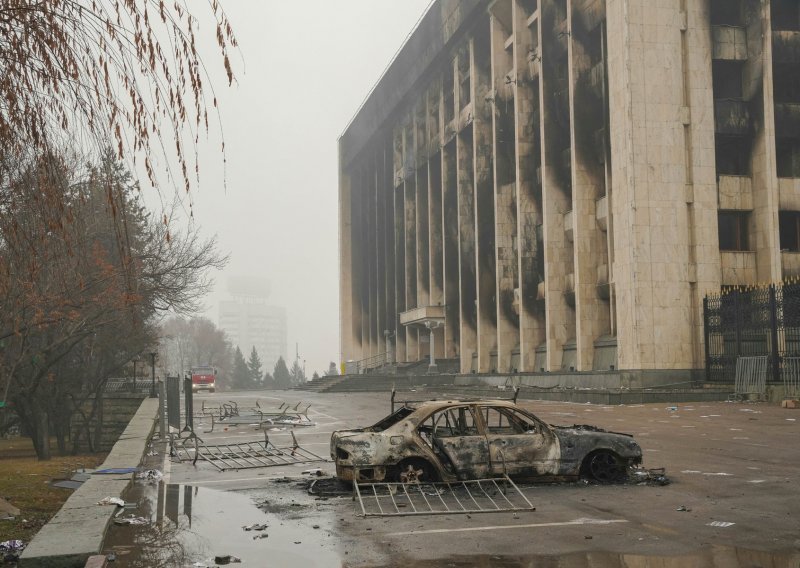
(733, 500)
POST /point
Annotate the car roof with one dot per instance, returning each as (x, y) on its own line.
(441, 404)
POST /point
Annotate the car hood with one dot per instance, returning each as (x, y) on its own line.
(586, 429)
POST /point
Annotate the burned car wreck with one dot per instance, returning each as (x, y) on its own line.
(462, 440)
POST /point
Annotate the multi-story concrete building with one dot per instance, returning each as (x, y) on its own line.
(556, 184)
(250, 322)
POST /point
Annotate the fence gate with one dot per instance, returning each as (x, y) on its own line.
(759, 323)
(751, 375)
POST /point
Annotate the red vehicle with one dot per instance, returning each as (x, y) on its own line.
(204, 378)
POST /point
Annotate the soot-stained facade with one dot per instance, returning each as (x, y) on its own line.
(554, 185)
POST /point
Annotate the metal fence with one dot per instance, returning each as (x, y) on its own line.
(757, 322)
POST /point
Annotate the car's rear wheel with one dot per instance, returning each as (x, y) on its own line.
(605, 466)
(415, 470)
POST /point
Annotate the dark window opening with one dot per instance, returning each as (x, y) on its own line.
(449, 90)
(595, 45)
(788, 157)
(530, 6)
(733, 155)
(789, 227)
(786, 82)
(785, 15)
(733, 230)
(727, 79)
(561, 10)
(726, 13)
(465, 90)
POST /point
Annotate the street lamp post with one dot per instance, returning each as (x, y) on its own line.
(136, 359)
(153, 371)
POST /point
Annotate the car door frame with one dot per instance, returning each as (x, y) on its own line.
(469, 456)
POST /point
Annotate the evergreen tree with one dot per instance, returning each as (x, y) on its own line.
(297, 373)
(241, 374)
(315, 376)
(269, 382)
(254, 369)
(283, 380)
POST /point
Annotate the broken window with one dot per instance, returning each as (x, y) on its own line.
(788, 157)
(789, 226)
(392, 419)
(785, 15)
(733, 155)
(449, 423)
(726, 13)
(507, 421)
(733, 230)
(727, 79)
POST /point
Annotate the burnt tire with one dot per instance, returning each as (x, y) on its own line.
(605, 466)
(415, 470)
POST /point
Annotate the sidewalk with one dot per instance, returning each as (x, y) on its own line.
(78, 529)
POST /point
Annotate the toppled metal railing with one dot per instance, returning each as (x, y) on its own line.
(751, 376)
(259, 419)
(791, 377)
(248, 455)
(440, 498)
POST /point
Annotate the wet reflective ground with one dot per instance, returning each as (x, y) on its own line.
(192, 525)
(733, 501)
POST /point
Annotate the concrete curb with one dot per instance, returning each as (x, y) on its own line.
(78, 529)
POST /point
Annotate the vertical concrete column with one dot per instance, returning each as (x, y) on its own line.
(380, 250)
(480, 69)
(505, 202)
(527, 60)
(435, 239)
(389, 247)
(400, 271)
(346, 339)
(764, 235)
(410, 204)
(651, 219)
(364, 257)
(465, 175)
(701, 183)
(370, 257)
(587, 109)
(556, 192)
(450, 232)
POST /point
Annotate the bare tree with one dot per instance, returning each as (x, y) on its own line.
(93, 71)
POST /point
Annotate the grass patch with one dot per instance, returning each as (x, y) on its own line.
(25, 483)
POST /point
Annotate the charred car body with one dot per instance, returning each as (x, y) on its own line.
(461, 440)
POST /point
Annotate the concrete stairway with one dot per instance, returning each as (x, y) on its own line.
(322, 384)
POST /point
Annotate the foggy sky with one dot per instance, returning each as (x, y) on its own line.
(303, 70)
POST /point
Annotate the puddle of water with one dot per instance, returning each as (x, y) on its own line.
(708, 558)
(194, 524)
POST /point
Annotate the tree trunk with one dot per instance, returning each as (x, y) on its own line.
(42, 436)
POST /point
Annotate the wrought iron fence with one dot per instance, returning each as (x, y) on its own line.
(756, 322)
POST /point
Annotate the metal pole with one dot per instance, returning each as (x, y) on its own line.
(706, 339)
(161, 398)
(134, 375)
(775, 355)
(153, 371)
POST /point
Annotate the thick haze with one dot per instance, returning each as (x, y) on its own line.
(303, 71)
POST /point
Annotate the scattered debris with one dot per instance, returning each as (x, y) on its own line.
(226, 559)
(111, 557)
(131, 521)
(318, 472)
(115, 470)
(111, 501)
(12, 546)
(151, 475)
(722, 524)
(262, 535)
(152, 453)
(329, 487)
(7, 510)
(653, 476)
(255, 527)
(683, 508)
